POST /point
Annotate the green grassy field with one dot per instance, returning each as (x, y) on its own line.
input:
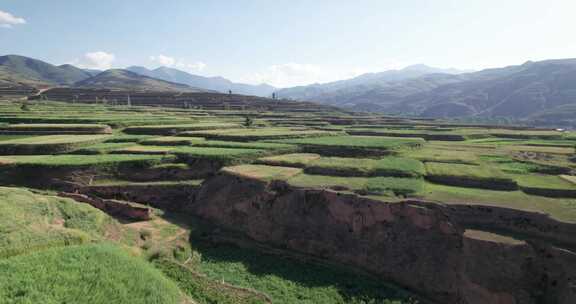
(561, 209)
(93, 128)
(388, 166)
(46, 241)
(360, 142)
(102, 148)
(50, 161)
(173, 129)
(48, 144)
(84, 274)
(286, 281)
(510, 165)
(299, 160)
(544, 181)
(204, 290)
(263, 172)
(72, 255)
(284, 148)
(469, 176)
(30, 222)
(432, 153)
(260, 134)
(172, 141)
(228, 155)
(389, 188)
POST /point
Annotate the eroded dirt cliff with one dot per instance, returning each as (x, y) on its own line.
(417, 245)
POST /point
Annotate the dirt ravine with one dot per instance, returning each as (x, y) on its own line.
(417, 245)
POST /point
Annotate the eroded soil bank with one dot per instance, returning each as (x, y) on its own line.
(466, 254)
(419, 245)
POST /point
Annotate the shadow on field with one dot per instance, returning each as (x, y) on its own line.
(222, 259)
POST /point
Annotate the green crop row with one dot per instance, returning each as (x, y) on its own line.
(388, 166)
(48, 144)
(469, 176)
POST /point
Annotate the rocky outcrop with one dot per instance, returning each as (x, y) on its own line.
(113, 207)
(418, 246)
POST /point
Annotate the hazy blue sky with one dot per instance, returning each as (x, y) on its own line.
(288, 42)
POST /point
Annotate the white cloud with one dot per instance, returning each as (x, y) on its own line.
(8, 20)
(296, 74)
(164, 60)
(95, 60)
(196, 66)
(172, 62)
(287, 74)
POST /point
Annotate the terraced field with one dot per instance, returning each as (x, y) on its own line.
(164, 159)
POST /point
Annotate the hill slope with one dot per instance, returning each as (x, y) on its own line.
(520, 91)
(514, 91)
(36, 72)
(349, 92)
(211, 83)
(125, 80)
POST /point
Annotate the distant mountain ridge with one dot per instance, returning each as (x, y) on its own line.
(211, 83)
(543, 90)
(348, 89)
(530, 90)
(514, 91)
(125, 80)
(16, 70)
(36, 72)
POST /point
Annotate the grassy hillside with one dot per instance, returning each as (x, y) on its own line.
(59, 251)
(126, 80)
(33, 71)
(211, 83)
(98, 273)
(30, 222)
(393, 160)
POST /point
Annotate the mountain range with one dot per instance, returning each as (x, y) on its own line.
(543, 90)
(119, 79)
(514, 91)
(519, 91)
(20, 70)
(349, 92)
(23, 71)
(210, 83)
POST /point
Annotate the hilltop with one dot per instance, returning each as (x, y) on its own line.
(125, 80)
(532, 90)
(350, 92)
(211, 83)
(38, 73)
(16, 71)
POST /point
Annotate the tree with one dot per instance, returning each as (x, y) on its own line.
(248, 121)
(25, 107)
